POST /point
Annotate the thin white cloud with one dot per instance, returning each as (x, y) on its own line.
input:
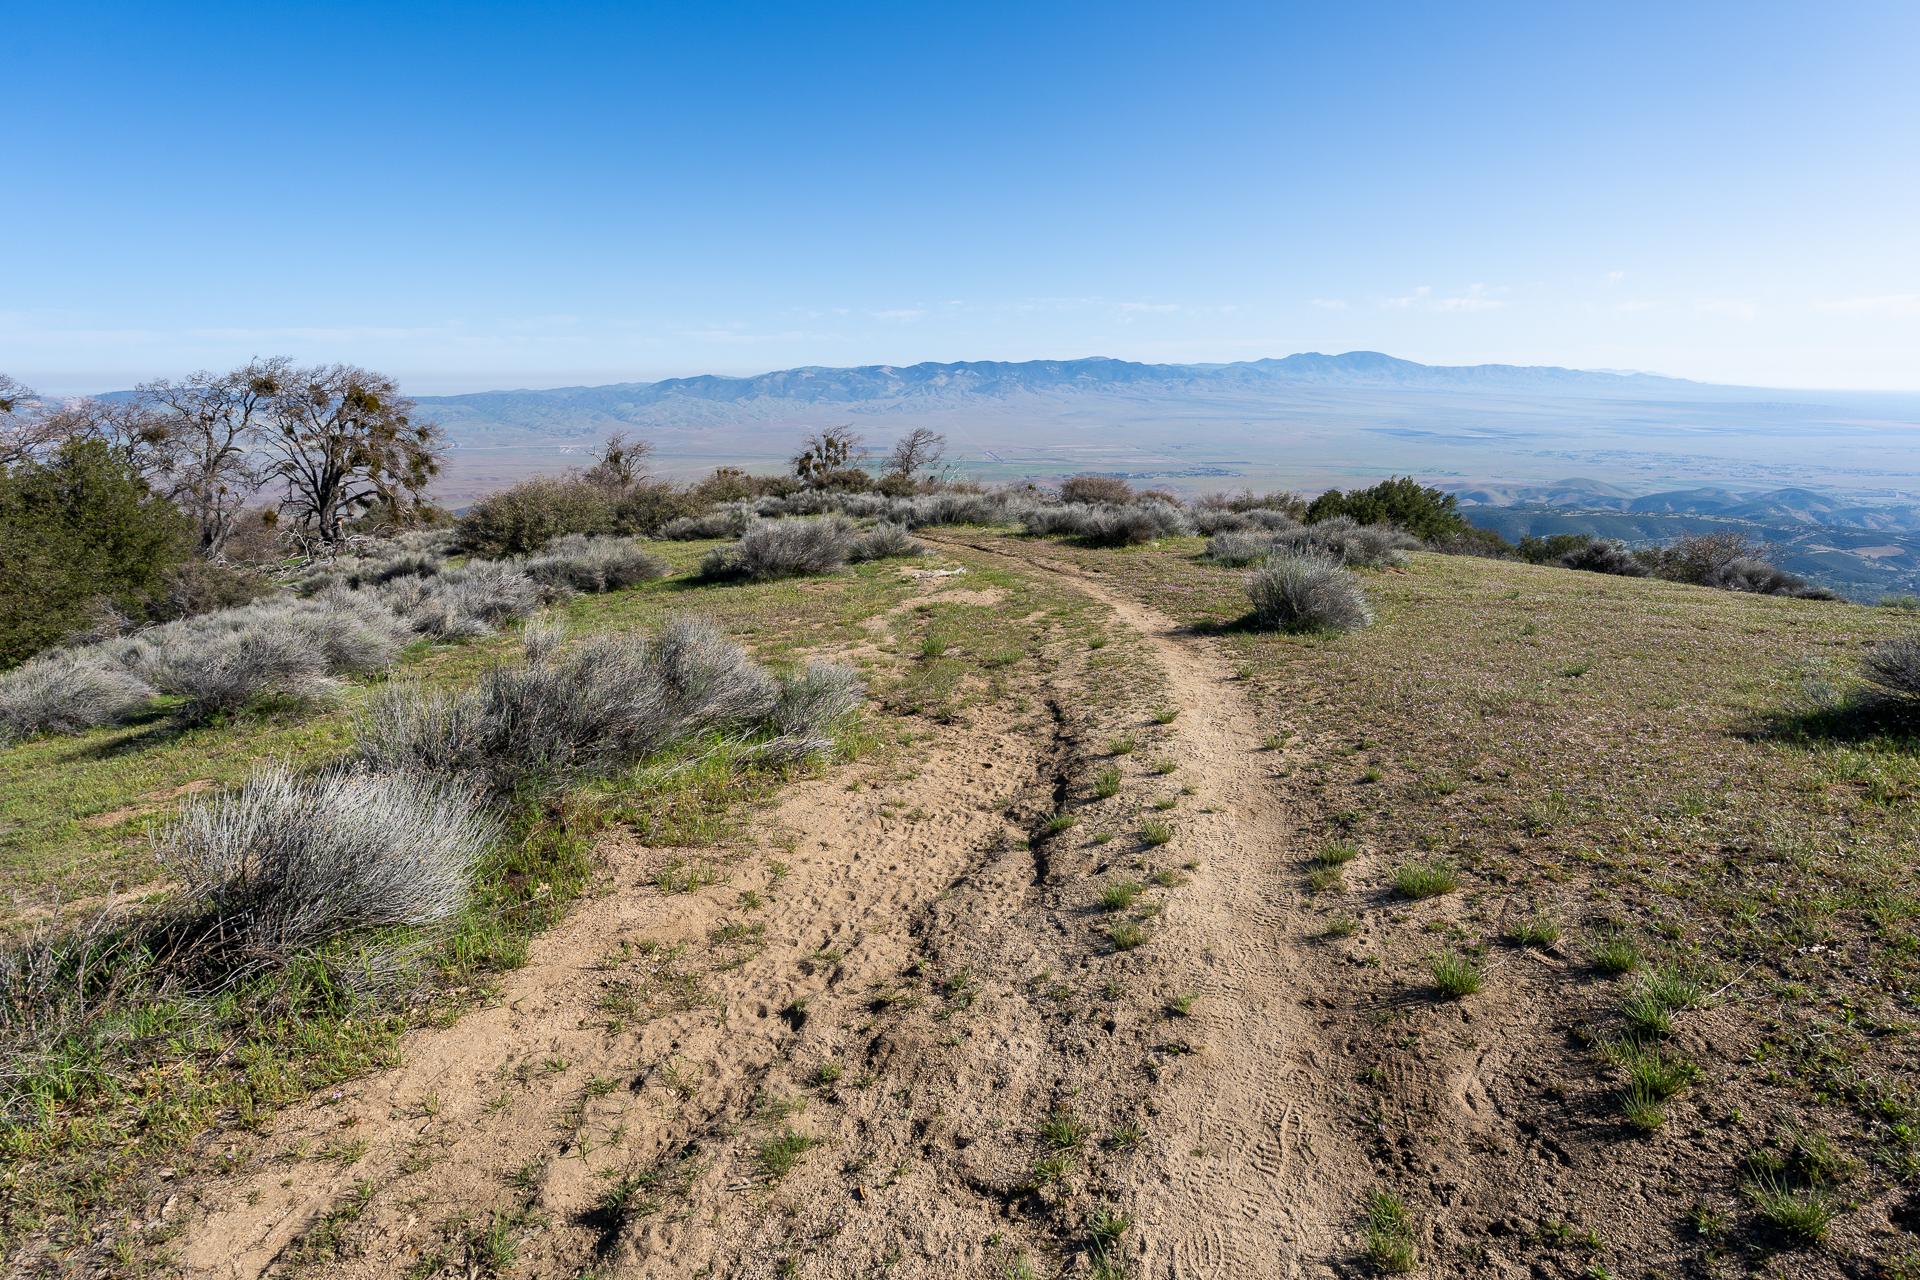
(1331, 304)
(1478, 297)
(1885, 304)
(899, 315)
(1614, 278)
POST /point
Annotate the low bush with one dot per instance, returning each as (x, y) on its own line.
(1362, 546)
(216, 673)
(722, 522)
(788, 548)
(1306, 592)
(286, 862)
(66, 693)
(534, 513)
(594, 706)
(593, 564)
(1238, 549)
(1106, 525)
(885, 541)
(1095, 490)
(1893, 669)
(645, 507)
(468, 600)
(1602, 556)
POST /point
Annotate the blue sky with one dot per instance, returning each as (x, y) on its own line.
(484, 195)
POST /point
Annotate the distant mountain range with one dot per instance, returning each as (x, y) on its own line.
(881, 388)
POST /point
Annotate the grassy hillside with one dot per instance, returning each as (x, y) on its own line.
(1554, 921)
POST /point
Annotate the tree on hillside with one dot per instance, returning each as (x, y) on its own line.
(78, 527)
(826, 454)
(917, 452)
(621, 462)
(208, 428)
(1424, 512)
(344, 440)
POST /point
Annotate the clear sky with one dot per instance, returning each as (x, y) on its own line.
(480, 195)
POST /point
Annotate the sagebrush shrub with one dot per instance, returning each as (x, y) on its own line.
(1306, 592)
(807, 707)
(723, 522)
(885, 541)
(1237, 548)
(469, 600)
(286, 862)
(593, 564)
(577, 710)
(1106, 525)
(67, 693)
(1893, 668)
(790, 548)
(1093, 490)
(219, 673)
(1363, 546)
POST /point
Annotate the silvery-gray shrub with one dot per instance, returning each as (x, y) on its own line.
(791, 548)
(67, 692)
(286, 862)
(571, 710)
(1363, 546)
(593, 564)
(1893, 668)
(1293, 591)
(885, 541)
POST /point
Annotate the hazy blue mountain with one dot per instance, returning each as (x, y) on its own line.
(710, 398)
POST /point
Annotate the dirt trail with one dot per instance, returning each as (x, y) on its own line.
(884, 982)
(1257, 1179)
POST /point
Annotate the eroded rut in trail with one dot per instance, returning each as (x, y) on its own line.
(895, 1039)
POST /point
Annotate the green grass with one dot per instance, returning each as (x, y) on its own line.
(1539, 931)
(778, 1155)
(1120, 894)
(1388, 1241)
(1425, 879)
(1125, 935)
(1155, 832)
(1456, 976)
(1106, 783)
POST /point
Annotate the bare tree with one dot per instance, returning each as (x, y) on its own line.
(123, 425)
(825, 452)
(621, 463)
(210, 425)
(344, 440)
(23, 430)
(920, 450)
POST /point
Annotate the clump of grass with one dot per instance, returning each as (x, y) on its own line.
(1804, 1214)
(1653, 1076)
(779, 1154)
(1059, 822)
(1125, 935)
(1106, 783)
(1104, 1229)
(1123, 745)
(1063, 1131)
(1120, 895)
(1155, 832)
(1337, 854)
(1456, 976)
(1389, 1234)
(1320, 879)
(1343, 925)
(1181, 1006)
(1617, 953)
(1165, 767)
(827, 1073)
(1166, 715)
(1538, 930)
(1650, 1007)
(1425, 879)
